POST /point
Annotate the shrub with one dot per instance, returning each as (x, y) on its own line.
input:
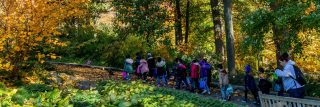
(38, 88)
(22, 95)
(87, 98)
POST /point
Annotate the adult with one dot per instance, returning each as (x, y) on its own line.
(288, 77)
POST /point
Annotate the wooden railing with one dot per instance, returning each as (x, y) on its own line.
(279, 101)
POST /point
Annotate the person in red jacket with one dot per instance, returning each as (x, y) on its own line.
(181, 74)
(194, 75)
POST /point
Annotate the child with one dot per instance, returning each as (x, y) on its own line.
(204, 69)
(152, 65)
(223, 83)
(143, 69)
(137, 63)
(250, 84)
(161, 69)
(278, 86)
(128, 67)
(264, 84)
(180, 73)
(194, 75)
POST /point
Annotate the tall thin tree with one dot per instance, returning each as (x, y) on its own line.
(187, 22)
(229, 35)
(178, 25)
(216, 19)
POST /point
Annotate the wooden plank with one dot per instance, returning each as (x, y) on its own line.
(290, 99)
(274, 103)
(299, 104)
(269, 101)
(265, 103)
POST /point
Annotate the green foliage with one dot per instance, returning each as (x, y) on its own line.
(106, 48)
(88, 98)
(137, 94)
(312, 21)
(111, 94)
(291, 20)
(38, 88)
(52, 98)
(312, 87)
(141, 17)
(2, 86)
(256, 25)
(120, 49)
(96, 8)
(22, 95)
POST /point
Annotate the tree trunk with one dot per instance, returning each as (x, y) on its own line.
(276, 39)
(216, 17)
(187, 22)
(229, 36)
(178, 28)
(276, 35)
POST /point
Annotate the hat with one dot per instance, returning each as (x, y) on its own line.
(247, 68)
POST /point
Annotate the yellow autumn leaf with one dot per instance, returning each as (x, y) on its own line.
(25, 58)
(57, 33)
(10, 68)
(43, 23)
(7, 65)
(29, 33)
(53, 57)
(42, 61)
(17, 48)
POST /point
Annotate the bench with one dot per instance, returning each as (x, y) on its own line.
(280, 101)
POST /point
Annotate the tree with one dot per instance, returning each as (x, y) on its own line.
(229, 35)
(29, 28)
(286, 20)
(141, 17)
(187, 22)
(216, 19)
(178, 22)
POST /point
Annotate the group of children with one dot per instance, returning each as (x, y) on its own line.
(199, 77)
(196, 77)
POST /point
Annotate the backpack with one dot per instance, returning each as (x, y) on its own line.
(299, 76)
(182, 71)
